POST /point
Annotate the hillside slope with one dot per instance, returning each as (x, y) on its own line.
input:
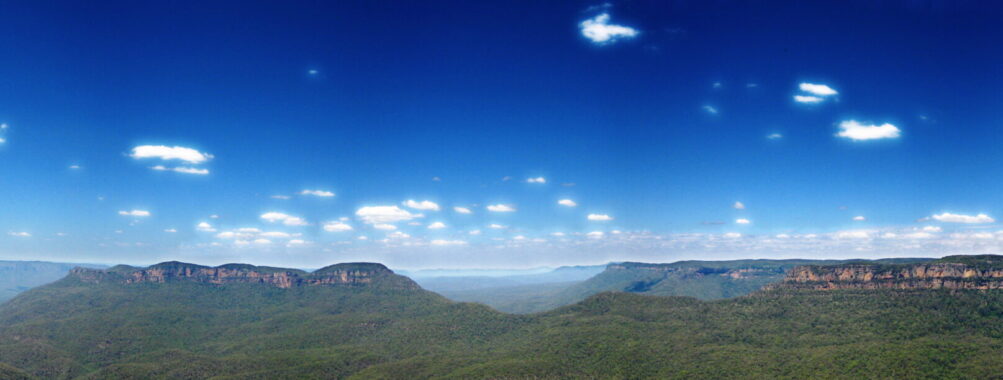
(19, 276)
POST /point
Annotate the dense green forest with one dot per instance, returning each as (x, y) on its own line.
(76, 330)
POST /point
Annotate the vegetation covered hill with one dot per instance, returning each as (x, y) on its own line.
(75, 329)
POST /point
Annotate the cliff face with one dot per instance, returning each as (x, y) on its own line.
(352, 274)
(975, 272)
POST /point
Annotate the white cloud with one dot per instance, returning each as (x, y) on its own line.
(475, 232)
(297, 243)
(557, 234)
(960, 218)
(440, 242)
(859, 218)
(462, 210)
(710, 109)
(135, 213)
(279, 196)
(317, 193)
(783, 236)
(854, 130)
(774, 136)
(385, 226)
(170, 153)
(932, 229)
(436, 226)
(288, 220)
(732, 235)
(742, 221)
(738, 206)
(808, 99)
(205, 227)
(170, 230)
(262, 241)
(854, 234)
(398, 235)
(600, 31)
(336, 227)
(181, 169)
(536, 180)
(500, 208)
(276, 234)
(495, 226)
(75, 167)
(599, 217)
(817, 89)
(19, 234)
(595, 234)
(423, 205)
(567, 202)
(384, 214)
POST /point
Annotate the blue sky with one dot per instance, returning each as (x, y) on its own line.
(844, 129)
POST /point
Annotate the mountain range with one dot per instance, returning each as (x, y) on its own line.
(361, 320)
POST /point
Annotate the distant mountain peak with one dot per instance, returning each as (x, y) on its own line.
(346, 274)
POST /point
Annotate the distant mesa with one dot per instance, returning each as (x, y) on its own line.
(951, 272)
(346, 274)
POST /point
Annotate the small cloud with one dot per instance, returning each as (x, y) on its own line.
(595, 235)
(317, 193)
(423, 205)
(262, 241)
(854, 130)
(170, 153)
(496, 226)
(384, 214)
(297, 243)
(817, 89)
(536, 180)
(436, 226)
(932, 229)
(716, 85)
(440, 242)
(742, 221)
(960, 218)
(385, 226)
(738, 206)
(135, 213)
(567, 202)
(289, 220)
(732, 235)
(436, 179)
(601, 32)
(75, 167)
(19, 234)
(710, 109)
(855, 234)
(808, 99)
(774, 136)
(205, 227)
(279, 196)
(337, 227)
(859, 218)
(599, 217)
(506, 178)
(474, 232)
(462, 210)
(500, 208)
(181, 169)
(557, 234)
(170, 230)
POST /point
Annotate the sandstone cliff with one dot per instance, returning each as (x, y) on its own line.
(953, 272)
(348, 274)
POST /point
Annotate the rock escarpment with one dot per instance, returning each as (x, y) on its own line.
(348, 274)
(749, 271)
(952, 272)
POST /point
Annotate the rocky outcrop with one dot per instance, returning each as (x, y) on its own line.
(349, 274)
(957, 272)
(699, 271)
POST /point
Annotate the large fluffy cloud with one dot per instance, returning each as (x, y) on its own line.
(170, 153)
(423, 205)
(817, 89)
(600, 31)
(501, 208)
(384, 214)
(961, 218)
(854, 130)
